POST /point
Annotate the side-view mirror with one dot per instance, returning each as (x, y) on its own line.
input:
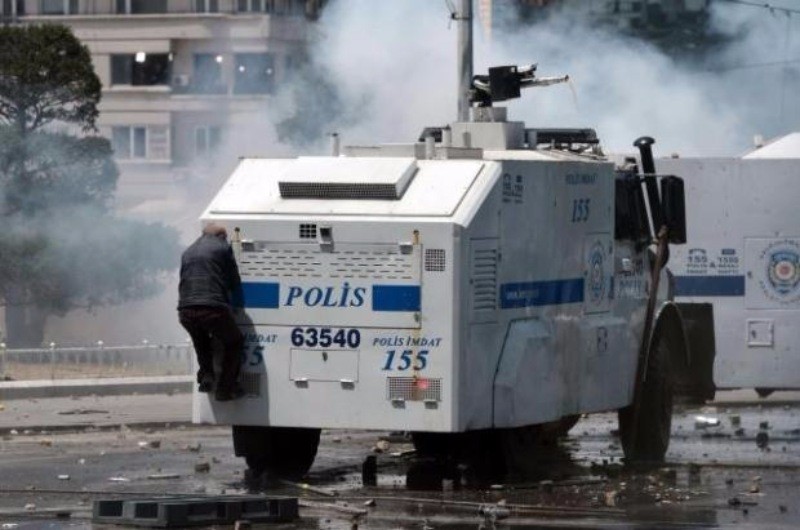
(673, 205)
(631, 214)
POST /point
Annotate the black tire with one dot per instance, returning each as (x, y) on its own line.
(559, 428)
(282, 452)
(648, 439)
(764, 392)
(433, 444)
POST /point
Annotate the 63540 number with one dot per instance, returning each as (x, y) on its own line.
(326, 337)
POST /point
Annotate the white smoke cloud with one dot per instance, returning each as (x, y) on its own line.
(395, 62)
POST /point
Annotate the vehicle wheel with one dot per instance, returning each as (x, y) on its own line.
(559, 428)
(764, 392)
(647, 440)
(434, 444)
(284, 452)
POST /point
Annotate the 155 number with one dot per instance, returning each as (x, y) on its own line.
(403, 360)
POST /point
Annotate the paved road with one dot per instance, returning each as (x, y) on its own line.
(715, 476)
(99, 411)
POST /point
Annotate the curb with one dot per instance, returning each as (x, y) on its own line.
(122, 386)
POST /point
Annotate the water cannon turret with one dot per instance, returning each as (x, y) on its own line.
(506, 82)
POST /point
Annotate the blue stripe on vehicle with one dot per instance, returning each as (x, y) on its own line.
(261, 294)
(709, 285)
(533, 294)
(395, 298)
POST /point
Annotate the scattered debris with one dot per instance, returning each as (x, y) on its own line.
(46, 443)
(332, 507)
(494, 512)
(703, 422)
(202, 467)
(736, 502)
(610, 498)
(82, 412)
(193, 448)
(381, 446)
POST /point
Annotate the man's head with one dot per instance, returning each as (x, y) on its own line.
(213, 229)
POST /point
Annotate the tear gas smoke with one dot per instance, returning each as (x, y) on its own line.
(395, 64)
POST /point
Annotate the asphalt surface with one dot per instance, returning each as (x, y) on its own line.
(58, 455)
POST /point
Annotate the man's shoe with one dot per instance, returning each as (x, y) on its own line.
(229, 395)
(206, 385)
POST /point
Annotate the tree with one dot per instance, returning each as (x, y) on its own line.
(61, 246)
(46, 75)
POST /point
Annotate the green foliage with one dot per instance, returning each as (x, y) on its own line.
(61, 245)
(46, 76)
(43, 170)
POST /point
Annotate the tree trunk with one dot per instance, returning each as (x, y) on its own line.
(24, 322)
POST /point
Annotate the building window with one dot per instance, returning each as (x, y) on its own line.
(11, 8)
(140, 69)
(141, 7)
(129, 142)
(206, 6)
(207, 139)
(260, 6)
(58, 7)
(207, 77)
(254, 73)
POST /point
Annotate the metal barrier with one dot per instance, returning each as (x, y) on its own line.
(94, 361)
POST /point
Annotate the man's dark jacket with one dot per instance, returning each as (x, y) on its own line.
(209, 275)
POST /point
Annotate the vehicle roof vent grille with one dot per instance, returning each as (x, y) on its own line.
(337, 190)
(342, 178)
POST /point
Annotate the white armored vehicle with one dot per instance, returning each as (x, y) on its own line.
(741, 269)
(488, 279)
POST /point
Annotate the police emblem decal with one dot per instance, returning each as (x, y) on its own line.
(783, 271)
(782, 279)
(597, 282)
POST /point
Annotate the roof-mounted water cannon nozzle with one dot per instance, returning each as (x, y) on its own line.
(506, 82)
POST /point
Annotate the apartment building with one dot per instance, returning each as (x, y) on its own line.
(643, 14)
(625, 14)
(179, 76)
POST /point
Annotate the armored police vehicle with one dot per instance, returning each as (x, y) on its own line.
(488, 279)
(741, 270)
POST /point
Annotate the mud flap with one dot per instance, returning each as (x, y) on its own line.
(695, 383)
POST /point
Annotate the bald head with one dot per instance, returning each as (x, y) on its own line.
(213, 229)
